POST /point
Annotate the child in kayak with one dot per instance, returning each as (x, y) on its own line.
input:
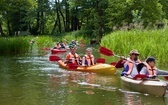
(148, 67)
(88, 58)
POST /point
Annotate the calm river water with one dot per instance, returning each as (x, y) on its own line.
(33, 80)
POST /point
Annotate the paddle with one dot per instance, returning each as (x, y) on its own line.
(70, 66)
(107, 52)
(54, 58)
(113, 63)
(140, 76)
(100, 60)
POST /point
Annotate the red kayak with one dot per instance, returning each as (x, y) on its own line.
(55, 51)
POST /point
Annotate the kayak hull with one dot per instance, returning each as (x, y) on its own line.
(55, 51)
(149, 86)
(97, 68)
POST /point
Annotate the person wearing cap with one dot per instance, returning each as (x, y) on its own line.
(88, 58)
(149, 67)
(73, 57)
(130, 64)
(62, 45)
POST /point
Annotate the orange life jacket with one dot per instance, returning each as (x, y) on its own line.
(151, 71)
(131, 63)
(74, 57)
(89, 60)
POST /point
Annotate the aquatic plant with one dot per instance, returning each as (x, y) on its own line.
(14, 45)
(147, 42)
(43, 41)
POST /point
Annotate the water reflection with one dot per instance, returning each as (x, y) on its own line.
(36, 81)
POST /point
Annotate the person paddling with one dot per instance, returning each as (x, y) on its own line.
(57, 46)
(130, 64)
(88, 58)
(62, 45)
(73, 57)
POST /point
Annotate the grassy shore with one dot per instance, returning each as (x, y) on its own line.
(147, 42)
(22, 44)
(14, 45)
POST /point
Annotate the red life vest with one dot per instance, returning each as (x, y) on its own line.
(131, 63)
(89, 59)
(151, 71)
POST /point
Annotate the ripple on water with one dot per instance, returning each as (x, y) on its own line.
(88, 84)
(131, 92)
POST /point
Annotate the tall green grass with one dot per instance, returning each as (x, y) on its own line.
(14, 45)
(22, 45)
(43, 41)
(147, 42)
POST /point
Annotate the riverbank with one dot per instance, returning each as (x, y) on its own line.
(147, 42)
(24, 44)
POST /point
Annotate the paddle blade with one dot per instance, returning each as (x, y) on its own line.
(72, 66)
(54, 58)
(100, 60)
(140, 76)
(113, 63)
(105, 51)
(166, 77)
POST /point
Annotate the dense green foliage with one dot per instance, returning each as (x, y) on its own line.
(44, 17)
(148, 43)
(80, 36)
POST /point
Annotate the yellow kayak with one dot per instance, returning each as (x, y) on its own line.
(97, 68)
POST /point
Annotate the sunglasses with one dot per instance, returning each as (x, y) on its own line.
(135, 54)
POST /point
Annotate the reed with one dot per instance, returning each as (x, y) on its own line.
(147, 42)
(43, 41)
(14, 45)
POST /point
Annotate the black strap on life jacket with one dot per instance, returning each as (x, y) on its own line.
(91, 63)
(140, 66)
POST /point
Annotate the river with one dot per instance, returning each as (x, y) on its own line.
(33, 80)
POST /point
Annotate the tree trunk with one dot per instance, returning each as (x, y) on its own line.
(100, 21)
(38, 23)
(58, 16)
(63, 18)
(74, 21)
(67, 23)
(55, 24)
(42, 23)
(9, 28)
(1, 30)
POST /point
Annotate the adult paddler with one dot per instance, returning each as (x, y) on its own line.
(130, 64)
(73, 57)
